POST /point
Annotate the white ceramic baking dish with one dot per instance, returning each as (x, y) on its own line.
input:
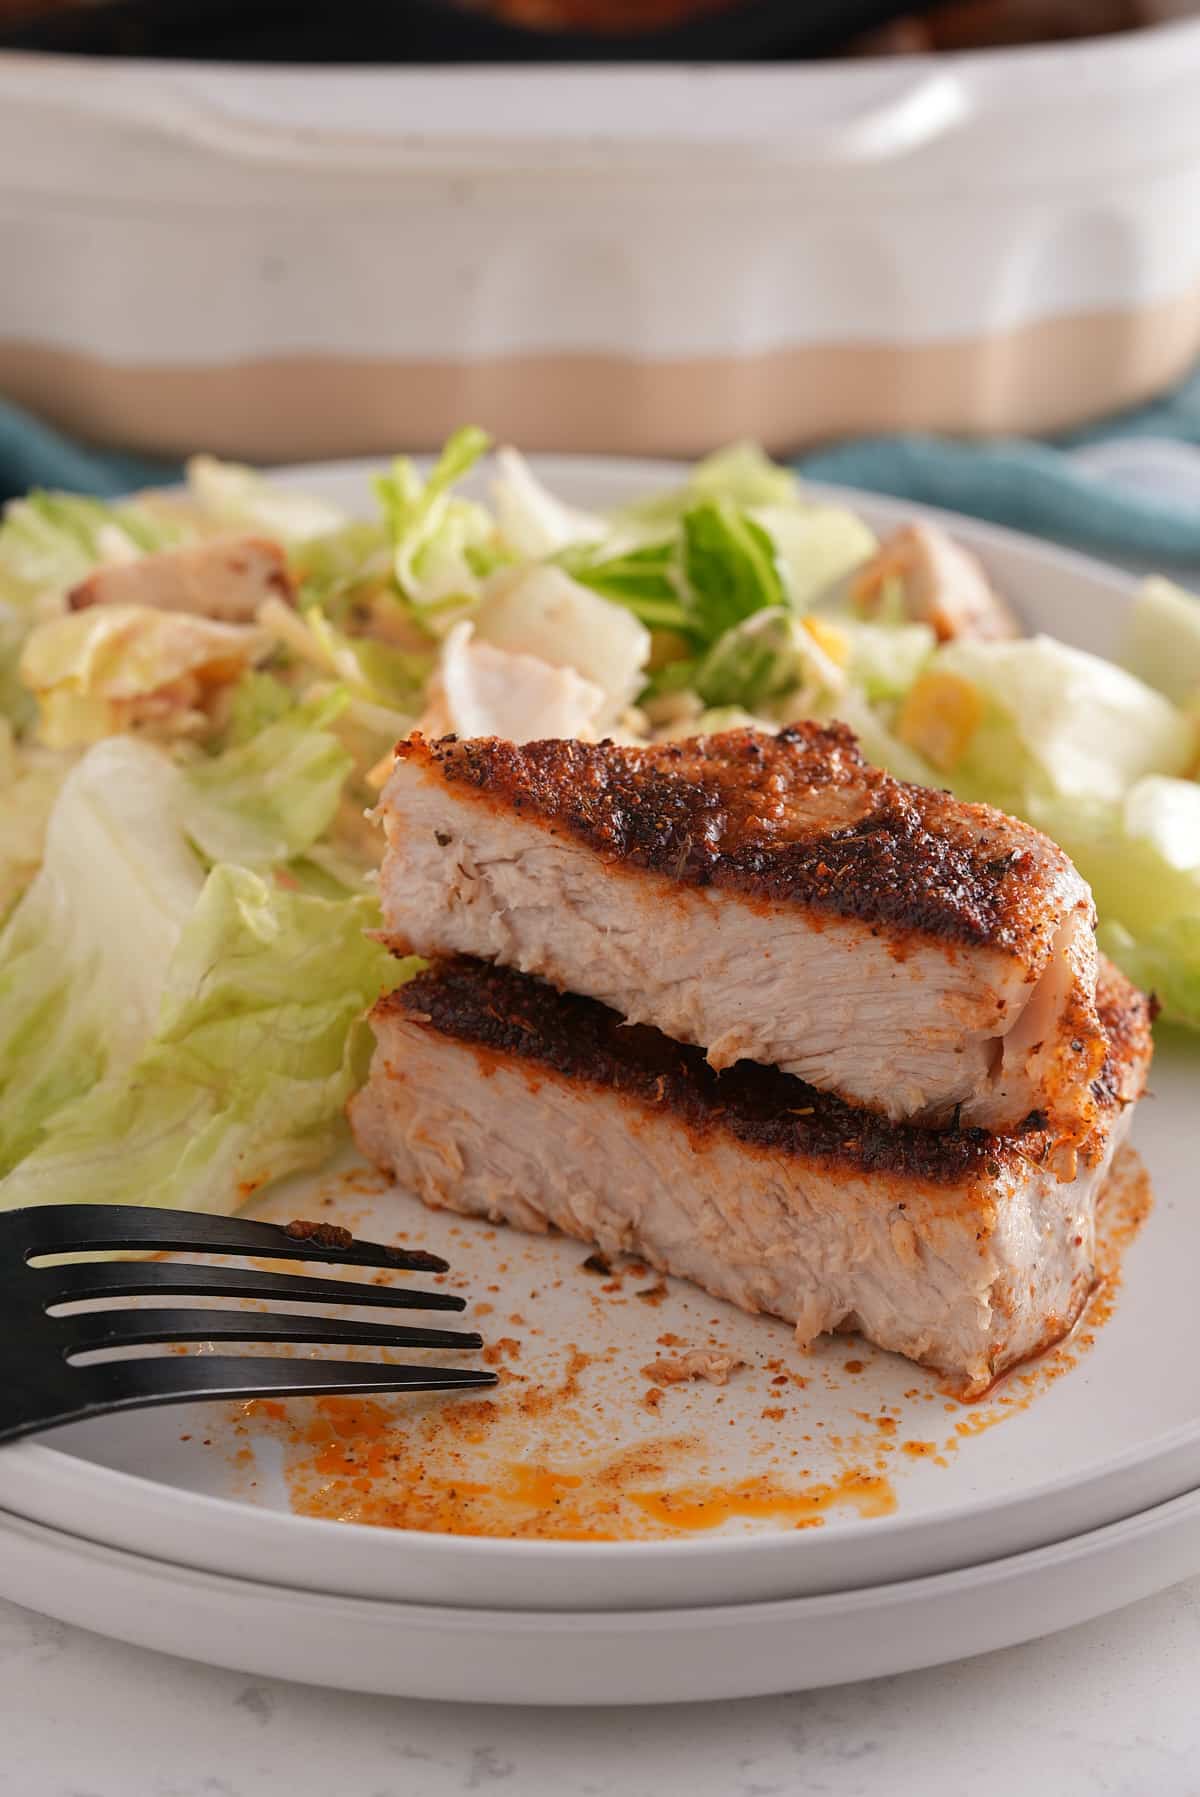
(288, 262)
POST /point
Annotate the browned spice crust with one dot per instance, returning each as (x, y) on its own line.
(759, 815)
(333, 1238)
(323, 1235)
(513, 1015)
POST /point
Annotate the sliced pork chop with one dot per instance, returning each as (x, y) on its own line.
(767, 897)
(226, 579)
(492, 1095)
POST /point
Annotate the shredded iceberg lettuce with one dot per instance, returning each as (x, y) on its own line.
(1162, 641)
(1052, 722)
(239, 498)
(109, 668)
(441, 544)
(170, 1035)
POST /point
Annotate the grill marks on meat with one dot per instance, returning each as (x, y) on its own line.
(493, 1095)
(772, 898)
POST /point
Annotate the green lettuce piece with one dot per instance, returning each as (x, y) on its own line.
(84, 956)
(259, 1042)
(256, 701)
(433, 532)
(1162, 640)
(729, 567)
(532, 522)
(90, 669)
(1141, 857)
(886, 659)
(370, 668)
(343, 567)
(30, 780)
(167, 1036)
(741, 475)
(49, 542)
(269, 798)
(1164, 961)
(237, 497)
(763, 657)
(1059, 723)
(816, 546)
(642, 579)
(773, 653)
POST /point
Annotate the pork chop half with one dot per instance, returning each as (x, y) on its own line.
(493, 1095)
(773, 898)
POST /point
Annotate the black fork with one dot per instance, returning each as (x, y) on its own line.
(42, 1384)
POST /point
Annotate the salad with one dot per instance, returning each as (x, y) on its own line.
(186, 862)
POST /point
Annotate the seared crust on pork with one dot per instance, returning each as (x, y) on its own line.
(510, 1014)
(492, 1095)
(794, 819)
(772, 898)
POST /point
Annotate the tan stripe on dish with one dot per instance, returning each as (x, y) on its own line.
(1043, 376)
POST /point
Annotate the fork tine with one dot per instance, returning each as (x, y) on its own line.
(75, 1281)
(79, 1228)
(132, 1384)
(129, 1328)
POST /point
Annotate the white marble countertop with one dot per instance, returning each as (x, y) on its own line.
(1107, 1710)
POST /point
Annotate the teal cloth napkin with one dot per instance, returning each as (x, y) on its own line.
(32, 454)
(1054, 489)
(1049, 488)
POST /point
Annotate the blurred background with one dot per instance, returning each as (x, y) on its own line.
(950, 251)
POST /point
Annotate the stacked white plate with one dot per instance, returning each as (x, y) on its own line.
(1060, 1498)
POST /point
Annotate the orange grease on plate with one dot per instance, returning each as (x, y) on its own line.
(692, 1507)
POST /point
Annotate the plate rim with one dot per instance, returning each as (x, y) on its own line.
(972, 1599)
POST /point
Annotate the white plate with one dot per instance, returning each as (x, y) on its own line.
(1111, 1439)
(658, 1656)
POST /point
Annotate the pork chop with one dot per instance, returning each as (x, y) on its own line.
(492, 1095)
(767, 897)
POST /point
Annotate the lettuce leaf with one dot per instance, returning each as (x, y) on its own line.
(1056, 722)
(258, 1044)
(84, 957)
(760, 659)
(48, 542)
(740, 475)
(256, 701)
(102, 670)
(270, 798)
(436, 536)
(729, 567)
(541, 611)
(167, 1036)
(642, 579)
(370, 668)
(534, 524)
(885, 659)
(30, 780)
(1141, 856)
(815, 547)
(239, 498)
(1162, 640)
